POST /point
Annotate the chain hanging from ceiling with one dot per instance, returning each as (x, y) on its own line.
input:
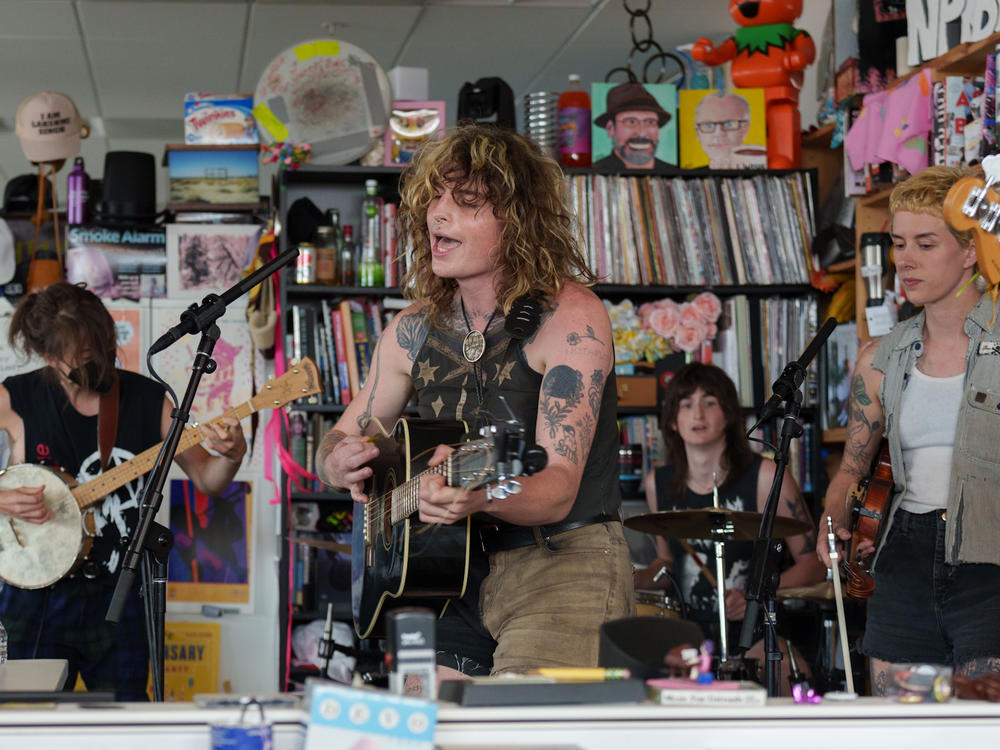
(671, 65)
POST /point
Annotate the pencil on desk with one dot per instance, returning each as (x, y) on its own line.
(581, 674)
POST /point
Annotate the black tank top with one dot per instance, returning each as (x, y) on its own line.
(446, 389)
(56, 434)
(698, 593)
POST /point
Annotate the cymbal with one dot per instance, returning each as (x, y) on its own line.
(699, 523)
(817, 592)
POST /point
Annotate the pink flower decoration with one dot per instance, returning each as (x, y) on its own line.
(689, 338)
(664, 320)
(708, 306)
(689, 315)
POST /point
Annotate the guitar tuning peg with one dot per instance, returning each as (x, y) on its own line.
(498, 493)
(513, 487)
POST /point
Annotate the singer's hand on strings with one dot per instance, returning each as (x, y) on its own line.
(440, 503)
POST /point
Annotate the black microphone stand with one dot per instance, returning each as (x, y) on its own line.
(150, 537)
(762, 583)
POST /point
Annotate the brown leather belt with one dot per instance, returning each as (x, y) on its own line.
(497, 538)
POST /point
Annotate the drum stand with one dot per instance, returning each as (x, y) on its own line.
(720, 535)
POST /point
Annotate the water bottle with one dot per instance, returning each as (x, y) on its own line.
(371, 273)
(77, 194)
(573, 117)
(3, 644)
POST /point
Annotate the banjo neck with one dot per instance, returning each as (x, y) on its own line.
(301, 380)
(107, 482)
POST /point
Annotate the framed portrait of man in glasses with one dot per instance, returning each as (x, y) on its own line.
(722, 128)
(635, 127)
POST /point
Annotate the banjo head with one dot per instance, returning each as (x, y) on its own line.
(34, 555)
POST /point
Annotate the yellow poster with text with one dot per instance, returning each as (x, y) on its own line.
(191, 660)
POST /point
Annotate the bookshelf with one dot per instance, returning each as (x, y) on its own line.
(312, 574)
(636, 230)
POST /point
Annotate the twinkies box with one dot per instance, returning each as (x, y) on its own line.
(219, 119)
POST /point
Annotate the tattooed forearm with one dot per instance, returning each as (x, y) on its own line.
(575, 338)
(411, 333)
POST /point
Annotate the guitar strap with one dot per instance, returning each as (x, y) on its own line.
(107, 423)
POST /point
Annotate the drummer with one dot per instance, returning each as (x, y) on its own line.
(706, 446)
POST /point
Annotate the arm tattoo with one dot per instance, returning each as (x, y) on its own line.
(859, 430)
(800, 513)
(575, 338)
(562, 392)
(411, 333)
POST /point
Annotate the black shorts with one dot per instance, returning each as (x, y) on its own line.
(924, 610)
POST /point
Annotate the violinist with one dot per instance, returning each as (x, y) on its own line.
(928, 388)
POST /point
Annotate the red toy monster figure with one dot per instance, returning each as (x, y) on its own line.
(769, 53)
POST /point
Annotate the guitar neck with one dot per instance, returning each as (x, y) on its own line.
(107, 482)
(406, 497)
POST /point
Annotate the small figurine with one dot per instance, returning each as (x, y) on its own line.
(769, 53)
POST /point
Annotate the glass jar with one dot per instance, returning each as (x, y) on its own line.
(325, 238)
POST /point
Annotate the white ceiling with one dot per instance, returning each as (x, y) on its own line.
(128, 63)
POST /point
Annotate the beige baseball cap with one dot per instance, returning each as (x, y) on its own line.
(49, 127)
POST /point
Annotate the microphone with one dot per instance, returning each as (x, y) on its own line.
(525, 316)
(193, 320)
(795, 372)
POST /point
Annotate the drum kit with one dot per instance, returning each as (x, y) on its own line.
(719, 525)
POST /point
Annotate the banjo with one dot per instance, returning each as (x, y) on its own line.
(36, 555)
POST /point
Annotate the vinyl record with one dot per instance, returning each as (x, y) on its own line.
(327, 93)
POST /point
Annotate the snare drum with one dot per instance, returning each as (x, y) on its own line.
(656, 603)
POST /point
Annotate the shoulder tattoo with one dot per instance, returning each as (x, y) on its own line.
(411, 332)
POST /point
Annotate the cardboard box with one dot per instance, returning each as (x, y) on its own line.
(636, 390)
(213, 174)
(219, 119)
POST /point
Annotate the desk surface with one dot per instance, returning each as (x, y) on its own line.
(780, 725)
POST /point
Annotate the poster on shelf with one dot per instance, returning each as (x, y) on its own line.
(117, 261)
(232, 381)
(204, 259)
(191, 660)
(130, 320)
(210, 559)
(722, 128)
(634, 126)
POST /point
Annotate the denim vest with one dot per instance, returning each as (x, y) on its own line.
(973, 510)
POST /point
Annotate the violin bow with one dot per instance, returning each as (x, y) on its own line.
(841, 621)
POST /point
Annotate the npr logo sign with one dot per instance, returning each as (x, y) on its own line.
(935, 26)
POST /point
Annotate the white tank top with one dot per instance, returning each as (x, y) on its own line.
(927, 422)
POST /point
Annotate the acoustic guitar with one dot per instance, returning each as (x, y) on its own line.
(36, 555)
(867, 512)
(395, 556)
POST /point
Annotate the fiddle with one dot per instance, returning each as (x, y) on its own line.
(869, 505)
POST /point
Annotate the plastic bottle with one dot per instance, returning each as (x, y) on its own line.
(370, 273)
(573, 116)
(346, 266)
(77, 194)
